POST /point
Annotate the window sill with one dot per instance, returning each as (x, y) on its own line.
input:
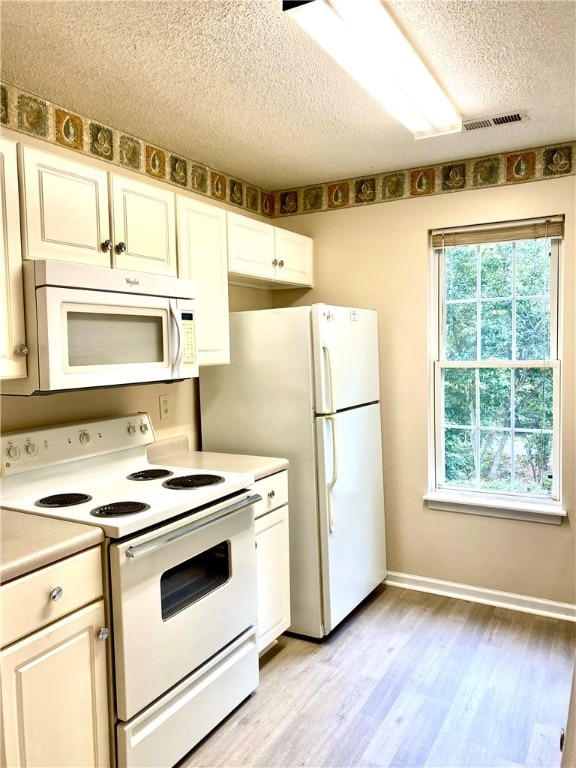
(542, 512)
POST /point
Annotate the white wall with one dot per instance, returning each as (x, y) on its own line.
(378, 256)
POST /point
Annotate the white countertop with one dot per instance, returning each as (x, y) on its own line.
(28, 542)
(175, 453)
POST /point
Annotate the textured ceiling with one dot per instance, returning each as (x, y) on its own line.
(236, 85)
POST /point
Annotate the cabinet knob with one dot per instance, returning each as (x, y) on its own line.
(281, 263)
(56, 593)
(271, 494)
(107, 245)
(103, 634)
(21, 350)
(121, 248)
(274, 262)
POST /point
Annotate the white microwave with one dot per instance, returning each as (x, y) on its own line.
(99, 327)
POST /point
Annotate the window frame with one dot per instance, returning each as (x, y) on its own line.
(532, 507)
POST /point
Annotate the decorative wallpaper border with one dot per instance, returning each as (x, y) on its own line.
(30, 114)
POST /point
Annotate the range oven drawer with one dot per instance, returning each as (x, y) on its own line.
(180, 593)
(196, 706)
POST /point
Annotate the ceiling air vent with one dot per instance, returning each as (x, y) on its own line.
(491, 122)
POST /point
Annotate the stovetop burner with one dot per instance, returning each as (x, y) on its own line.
(119, 508)
(63, 500)
(149, 474)
(192, 481)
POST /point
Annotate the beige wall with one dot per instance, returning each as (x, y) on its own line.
(377, 256)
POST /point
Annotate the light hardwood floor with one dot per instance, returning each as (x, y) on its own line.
(410, 679)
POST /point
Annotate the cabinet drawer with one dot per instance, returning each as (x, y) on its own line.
(274, 492)
(27, 603)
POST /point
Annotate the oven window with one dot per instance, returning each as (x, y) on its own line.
(194, 579)
(102, 338)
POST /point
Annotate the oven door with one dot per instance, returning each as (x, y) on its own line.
(180, 594)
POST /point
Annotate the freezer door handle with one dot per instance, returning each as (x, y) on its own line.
(326, 352)
(330, 485)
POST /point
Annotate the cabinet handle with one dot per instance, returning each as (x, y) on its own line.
(21, 350)
(103, 634)
(56, 593)
(107, 245)
(274, 262)
(121, 248)
(562, 740)
(281, 263)
(271, 494)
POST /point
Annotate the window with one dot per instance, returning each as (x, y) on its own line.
(497, 370)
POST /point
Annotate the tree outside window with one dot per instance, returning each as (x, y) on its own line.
(497, 373)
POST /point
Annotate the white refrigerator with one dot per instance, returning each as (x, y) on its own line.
(303, 383)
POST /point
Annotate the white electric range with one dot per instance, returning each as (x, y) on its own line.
(181, 573)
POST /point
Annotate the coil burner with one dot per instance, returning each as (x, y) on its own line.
(192, 481)
(119, 508)
(63, 500)
(149, 474)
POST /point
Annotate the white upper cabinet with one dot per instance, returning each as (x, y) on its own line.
(65, 209)
(12, 336)
(294, 254)
(250, 247)
(264, 255)
(144, 226)
(203, 258)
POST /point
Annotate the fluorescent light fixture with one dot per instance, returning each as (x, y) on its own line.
(365, 41)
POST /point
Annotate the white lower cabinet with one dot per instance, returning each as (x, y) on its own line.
(273, 558)
(53, 677)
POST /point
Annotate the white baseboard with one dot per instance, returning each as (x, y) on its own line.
(515, 602)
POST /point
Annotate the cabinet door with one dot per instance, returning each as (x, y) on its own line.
(273, 559)
(250, 247)
(65, 209)
(203, 258)
(144, 226)
(55, 696)
(12, 364)
(294, 254)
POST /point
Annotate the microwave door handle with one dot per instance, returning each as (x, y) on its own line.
(177, 320)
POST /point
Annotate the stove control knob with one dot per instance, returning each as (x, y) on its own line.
(143, 428)
(32, 449)
(131, 429)
(13, 452)
(85, 438)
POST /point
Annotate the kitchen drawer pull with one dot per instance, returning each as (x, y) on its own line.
(56, 593)
(271, 494)
(161, 541)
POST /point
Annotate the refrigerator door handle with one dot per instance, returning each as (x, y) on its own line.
(330, 377)
(330, 485)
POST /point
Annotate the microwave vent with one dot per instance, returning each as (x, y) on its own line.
(520, 116)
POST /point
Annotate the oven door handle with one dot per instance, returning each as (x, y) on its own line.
(161, 541)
